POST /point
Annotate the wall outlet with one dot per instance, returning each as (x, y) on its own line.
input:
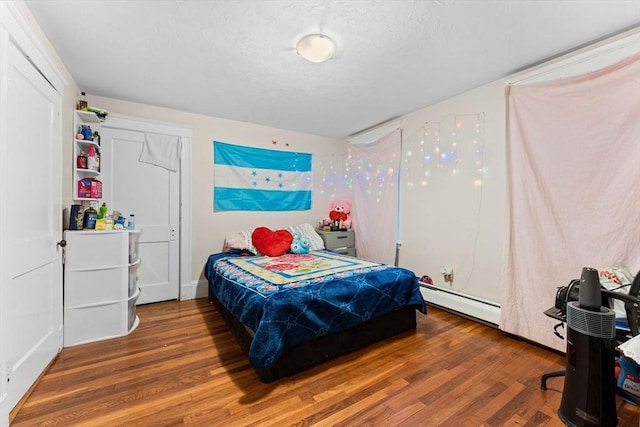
(447, 273)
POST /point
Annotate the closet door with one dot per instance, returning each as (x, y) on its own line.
(30, 225)
(151, 193)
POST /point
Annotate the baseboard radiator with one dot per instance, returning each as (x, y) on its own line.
(466, 305)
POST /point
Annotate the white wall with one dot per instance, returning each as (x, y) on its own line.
(447, 217)
(208, 227)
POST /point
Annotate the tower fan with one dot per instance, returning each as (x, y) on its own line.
(589, 393)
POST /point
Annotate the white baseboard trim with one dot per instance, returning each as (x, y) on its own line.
(468, 305)
(195, 289)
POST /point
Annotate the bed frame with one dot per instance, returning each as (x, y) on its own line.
(311, 353)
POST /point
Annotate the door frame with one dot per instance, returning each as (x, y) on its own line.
(131, 123)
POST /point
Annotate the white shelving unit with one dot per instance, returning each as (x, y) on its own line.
(80, 145)
(100, 285)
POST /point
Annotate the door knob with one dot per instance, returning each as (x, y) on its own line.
(62, 243)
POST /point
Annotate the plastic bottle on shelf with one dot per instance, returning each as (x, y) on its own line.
(92, 161)
(81, 161)
(86, 132)
(103, 211)
(89, 218)
(131, 224)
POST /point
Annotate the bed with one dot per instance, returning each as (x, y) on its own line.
(294, 311)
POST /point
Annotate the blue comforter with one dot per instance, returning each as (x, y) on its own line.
(282, 316)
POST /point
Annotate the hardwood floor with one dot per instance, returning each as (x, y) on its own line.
(182, 366)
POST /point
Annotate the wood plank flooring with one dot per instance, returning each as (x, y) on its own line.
(182, 366)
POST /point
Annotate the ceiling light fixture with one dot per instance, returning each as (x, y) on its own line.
(316, 48)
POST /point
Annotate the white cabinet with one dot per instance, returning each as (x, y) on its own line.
(81, 147)
(100, 285)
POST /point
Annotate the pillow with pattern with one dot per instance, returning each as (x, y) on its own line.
(239, 240)
(306, 230)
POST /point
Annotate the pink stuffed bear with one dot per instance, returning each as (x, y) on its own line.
(340, 210)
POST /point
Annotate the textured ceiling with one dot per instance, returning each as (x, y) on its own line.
(236, 59)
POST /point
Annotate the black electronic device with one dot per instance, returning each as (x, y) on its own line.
(589, 393)
(590, 297)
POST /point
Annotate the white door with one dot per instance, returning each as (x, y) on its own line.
(152, 193)
(31, 227)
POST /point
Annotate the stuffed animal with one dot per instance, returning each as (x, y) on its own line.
(300, 244)
(340, 210)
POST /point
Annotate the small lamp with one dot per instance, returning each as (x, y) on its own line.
(316, 48)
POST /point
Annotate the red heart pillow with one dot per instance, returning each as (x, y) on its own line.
(271, 243)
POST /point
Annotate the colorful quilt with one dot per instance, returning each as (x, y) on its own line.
(292, 299)
(298, 269)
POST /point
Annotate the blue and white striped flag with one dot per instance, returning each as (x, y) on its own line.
(257, 179)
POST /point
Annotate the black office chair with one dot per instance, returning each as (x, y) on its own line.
(631, 307)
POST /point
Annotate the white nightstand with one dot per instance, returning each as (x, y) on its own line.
(342, 242)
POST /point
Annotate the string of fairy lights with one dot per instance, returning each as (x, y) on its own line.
(374, 173)
(332, 177)
(452, 147)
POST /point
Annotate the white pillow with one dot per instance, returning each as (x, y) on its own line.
(239, 240)
(315, 241)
